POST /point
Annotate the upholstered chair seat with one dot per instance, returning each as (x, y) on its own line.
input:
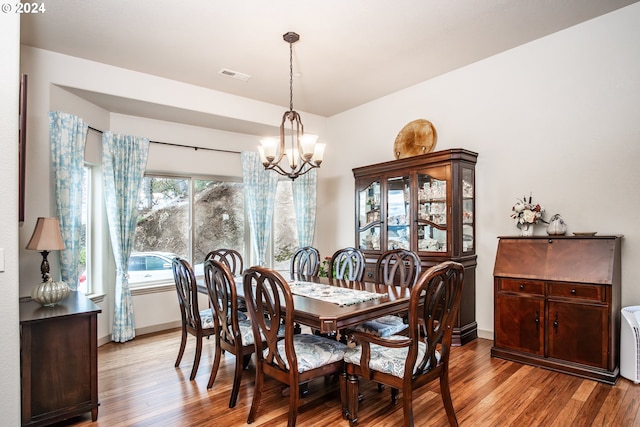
(384, 326)
(312, 351)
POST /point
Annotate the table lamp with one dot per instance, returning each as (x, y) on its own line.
(46, 237)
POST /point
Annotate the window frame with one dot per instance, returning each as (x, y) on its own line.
(191, 178)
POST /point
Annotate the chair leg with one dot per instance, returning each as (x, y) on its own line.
(407, 407)
(446, 398)
(294, 400)
(245, 361)
(216, 364)
(183, 344)
(394, 396)
(196, 360)
(236, 381)
(257, 394)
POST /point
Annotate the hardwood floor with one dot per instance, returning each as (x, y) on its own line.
(138, 386)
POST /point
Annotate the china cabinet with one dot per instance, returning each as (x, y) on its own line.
(424, 203)
(557, 304)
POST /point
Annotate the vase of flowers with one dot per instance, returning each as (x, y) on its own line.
(526, 214)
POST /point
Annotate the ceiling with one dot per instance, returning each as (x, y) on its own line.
(349, 53)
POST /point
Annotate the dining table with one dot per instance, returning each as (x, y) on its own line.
(331, 305)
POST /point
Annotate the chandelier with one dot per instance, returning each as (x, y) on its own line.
(302, 150)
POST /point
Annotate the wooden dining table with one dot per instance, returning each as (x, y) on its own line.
(328, 317)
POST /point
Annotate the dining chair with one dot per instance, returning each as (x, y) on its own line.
(230, 257)
(347, 264)
(293, 360)
(400, 267)
(305, 261)
(408, 362)
(233, 260)
(196, 322)
(234, 334)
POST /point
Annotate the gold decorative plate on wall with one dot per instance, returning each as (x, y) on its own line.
(415, 138)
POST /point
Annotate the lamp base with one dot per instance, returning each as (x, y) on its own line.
(50, 293)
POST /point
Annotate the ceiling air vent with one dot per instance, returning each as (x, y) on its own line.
(234, 74)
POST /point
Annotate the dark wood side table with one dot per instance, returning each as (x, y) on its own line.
(59, 360)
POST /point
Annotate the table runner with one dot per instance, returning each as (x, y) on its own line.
(332, 294)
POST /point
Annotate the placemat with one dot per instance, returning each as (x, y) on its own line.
(332, 294)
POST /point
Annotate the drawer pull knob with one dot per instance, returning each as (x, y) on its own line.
(573, 292)
(521, 287)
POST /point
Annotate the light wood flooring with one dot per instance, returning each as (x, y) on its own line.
(139, 386)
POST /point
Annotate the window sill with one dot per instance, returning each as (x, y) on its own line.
(153, 289)
(96, 298)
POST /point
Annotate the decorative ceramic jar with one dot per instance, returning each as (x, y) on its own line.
(50, 293)
(556, 226)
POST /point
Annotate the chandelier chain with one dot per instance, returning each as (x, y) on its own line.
(290, 76)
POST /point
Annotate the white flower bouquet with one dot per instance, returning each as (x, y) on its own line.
(525, 212)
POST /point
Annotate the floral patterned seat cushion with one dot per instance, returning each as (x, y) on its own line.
(206, 318)
(313, 351)
(246, 332)
(385, 359)
(384, 326)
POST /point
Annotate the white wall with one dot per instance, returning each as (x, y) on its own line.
(9, 274)
(556, 117)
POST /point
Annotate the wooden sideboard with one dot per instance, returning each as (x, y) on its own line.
(59, 360)
(557, 304)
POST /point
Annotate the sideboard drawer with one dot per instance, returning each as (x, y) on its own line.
(573, 290)
(534, 287)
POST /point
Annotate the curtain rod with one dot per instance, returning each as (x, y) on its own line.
(180, 145)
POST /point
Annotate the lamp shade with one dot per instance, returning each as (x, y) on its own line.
(46, 236)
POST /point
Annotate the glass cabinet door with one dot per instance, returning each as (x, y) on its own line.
(398, 197)
(468, 209)
(432, 211)
(369, 217)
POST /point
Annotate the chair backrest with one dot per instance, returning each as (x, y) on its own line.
(223, 299)
(347, 264)
(305, 261)
(433, 308)
(398, 267)
(270, 304)
(187, 291)
(229, 257)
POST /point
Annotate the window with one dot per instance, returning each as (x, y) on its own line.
(219, 220)
(185, 217)
(84, 266)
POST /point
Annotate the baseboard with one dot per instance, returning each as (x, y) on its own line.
(144, 331)
(485, 334)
